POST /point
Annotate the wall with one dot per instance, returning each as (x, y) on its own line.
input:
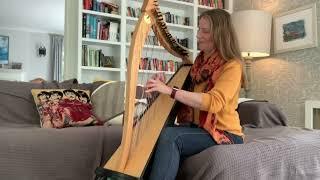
(23, 48)
(286, 79)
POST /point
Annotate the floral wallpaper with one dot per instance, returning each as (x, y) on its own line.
(286, 79)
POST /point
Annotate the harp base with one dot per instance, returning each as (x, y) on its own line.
(106, 174)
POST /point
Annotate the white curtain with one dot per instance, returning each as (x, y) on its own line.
(57, 56)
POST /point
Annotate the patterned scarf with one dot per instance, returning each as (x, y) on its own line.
(205, 71)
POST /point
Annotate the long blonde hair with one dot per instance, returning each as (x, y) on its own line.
(224, 37)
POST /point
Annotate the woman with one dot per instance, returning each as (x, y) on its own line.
(210, 105)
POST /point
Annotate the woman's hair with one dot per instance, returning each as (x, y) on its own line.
(224, 35)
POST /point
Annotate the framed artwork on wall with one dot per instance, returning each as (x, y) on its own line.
(295, 29)
(4, 49)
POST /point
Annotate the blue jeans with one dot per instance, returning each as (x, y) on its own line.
(177, 143)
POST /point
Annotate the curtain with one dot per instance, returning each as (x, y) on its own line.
(57, 56)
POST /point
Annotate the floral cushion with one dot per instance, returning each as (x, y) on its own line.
(60, 108)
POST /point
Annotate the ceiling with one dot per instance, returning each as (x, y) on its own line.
(33, 15)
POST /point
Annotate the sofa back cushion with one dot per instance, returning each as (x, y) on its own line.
(260, 114)
(17, 105)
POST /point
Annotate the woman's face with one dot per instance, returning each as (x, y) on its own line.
(204, 36)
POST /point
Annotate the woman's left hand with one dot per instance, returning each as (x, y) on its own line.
(158, 86)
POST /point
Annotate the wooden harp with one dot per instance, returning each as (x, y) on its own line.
(132, 156)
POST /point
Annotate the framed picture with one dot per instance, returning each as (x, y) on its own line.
(295, 29)
(4, 49)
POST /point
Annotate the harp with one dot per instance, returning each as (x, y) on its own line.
(131, 158)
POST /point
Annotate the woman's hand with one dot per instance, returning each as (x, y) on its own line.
(157, 84)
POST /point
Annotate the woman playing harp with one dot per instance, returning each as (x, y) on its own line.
(216, 81)
(209, 104)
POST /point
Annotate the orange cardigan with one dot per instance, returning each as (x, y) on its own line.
(222, 99)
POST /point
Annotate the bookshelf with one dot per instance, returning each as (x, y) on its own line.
(181, 17)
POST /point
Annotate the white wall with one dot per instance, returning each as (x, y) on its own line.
(23, 48)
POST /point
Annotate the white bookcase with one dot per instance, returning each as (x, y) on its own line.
(119, 49)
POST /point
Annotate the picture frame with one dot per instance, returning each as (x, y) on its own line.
(295, 29)
(4, 49)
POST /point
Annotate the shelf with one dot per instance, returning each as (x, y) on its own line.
(155, 47)
(111, 16)
(100, 42)
(175, 3)
(133, 21)
(179, 26)
(154, 72)
(100, 68)
(204, 8)
(149, 46)
(171, 3)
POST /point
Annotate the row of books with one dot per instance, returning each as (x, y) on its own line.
(95, 27)
(101, 6)
(153, 40)
(133, 12)
(175, 19)
(95, 58)
(212, 3)
(156, 64)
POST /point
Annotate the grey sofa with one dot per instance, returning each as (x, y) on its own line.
(28, 152)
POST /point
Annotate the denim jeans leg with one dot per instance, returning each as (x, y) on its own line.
(173, 143)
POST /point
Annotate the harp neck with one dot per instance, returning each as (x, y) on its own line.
(151, 7)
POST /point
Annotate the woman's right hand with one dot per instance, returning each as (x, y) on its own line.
(156, 77)
(159, 76)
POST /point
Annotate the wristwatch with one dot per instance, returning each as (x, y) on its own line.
(173, 92)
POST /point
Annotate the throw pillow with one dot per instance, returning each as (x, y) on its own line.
(60, 108)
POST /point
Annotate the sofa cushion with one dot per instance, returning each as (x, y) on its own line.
(108, 100)
(260, 114)
(16, 105)
(59, 108)
(50, 154)
(17, 108)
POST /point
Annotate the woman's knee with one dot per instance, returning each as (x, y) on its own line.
(168, 135)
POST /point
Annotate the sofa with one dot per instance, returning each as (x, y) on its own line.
(28, 152)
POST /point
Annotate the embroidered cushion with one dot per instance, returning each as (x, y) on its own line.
(60, 108)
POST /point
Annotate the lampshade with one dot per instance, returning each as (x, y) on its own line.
(253, 28)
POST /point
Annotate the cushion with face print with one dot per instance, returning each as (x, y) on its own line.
(60, 108)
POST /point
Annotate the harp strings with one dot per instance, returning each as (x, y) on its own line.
(143, 99)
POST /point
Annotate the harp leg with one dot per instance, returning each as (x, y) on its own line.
(106, 174)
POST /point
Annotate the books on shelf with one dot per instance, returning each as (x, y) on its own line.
(95, 58)
(156, 64)
(175, 19)
(212, 3)
(133, 12)
(101, 6)
(153, 40)
(95, 27)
